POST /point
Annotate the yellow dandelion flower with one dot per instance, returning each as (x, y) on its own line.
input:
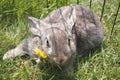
(40, 53)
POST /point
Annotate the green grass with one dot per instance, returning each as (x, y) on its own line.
(104, 64)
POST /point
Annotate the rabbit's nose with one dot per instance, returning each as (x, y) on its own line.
(61, 59)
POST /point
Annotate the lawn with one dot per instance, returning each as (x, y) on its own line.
(104, 64)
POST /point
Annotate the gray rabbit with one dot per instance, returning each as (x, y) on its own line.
(63, 34)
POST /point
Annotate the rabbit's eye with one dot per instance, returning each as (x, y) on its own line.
(68, 41)
(47, 43)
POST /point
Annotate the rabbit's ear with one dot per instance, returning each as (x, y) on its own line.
(36, 25)
(72, 18)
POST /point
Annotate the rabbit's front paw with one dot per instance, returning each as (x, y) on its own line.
(9, 54)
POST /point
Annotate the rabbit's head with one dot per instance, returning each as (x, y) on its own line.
(58, 43)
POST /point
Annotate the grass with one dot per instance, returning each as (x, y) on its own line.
(104, 64)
